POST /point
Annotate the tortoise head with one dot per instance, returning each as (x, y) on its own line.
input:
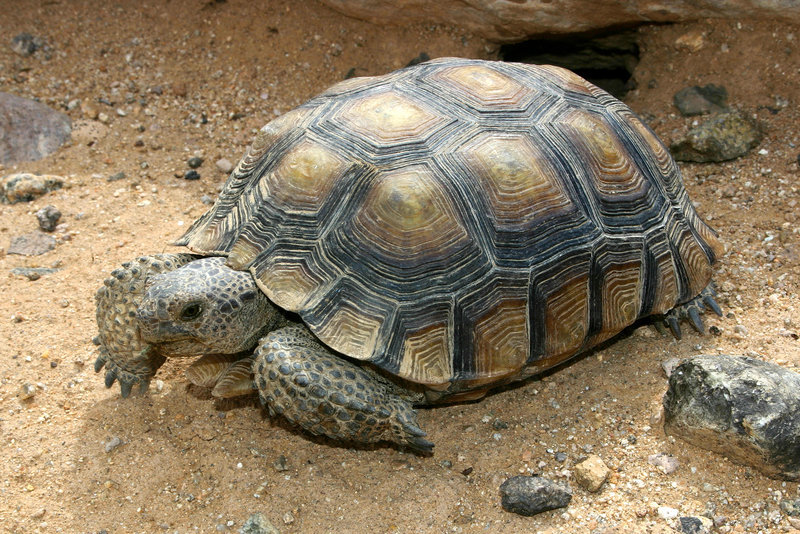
(204, 307)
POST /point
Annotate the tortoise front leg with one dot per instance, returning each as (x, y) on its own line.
(125, 357)
(305, 382)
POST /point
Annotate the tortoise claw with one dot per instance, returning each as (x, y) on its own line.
(709, 301)
(99, 363)
(125, 388)
(420, 445)
(674, 326)
(694, 318)
(111, 376)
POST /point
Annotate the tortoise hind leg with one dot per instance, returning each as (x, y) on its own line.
(302, 380)
(692, 310)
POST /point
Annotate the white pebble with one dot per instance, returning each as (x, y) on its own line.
(667, 513)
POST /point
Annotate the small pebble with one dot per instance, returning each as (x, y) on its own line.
(48, 218)
(112, 444)
(191, 175)
(281, 464)
(664, 462)
(667, 513)
(194, 162)
(25, 44)
(117, 176)
(529, 496)
(288, 518)
(27, 391)
(258, 524)
(694, 525)
(791, 508)
(561, 457)
(224, 165)
(591, 473)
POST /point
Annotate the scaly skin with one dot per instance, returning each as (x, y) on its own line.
(305, 382)
(124, 355)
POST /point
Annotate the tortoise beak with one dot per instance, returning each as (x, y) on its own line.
(156, 325)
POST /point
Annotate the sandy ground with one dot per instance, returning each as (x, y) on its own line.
(189, 78)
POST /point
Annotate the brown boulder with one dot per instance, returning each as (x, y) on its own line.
(514, 20)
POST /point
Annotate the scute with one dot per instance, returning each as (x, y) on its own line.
(462, 223)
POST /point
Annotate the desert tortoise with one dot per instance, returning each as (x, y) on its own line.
(455, 225)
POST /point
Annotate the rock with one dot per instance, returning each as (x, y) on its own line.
(281, 464)
(32, 244)
(27, 391)
(664, 462)
(224, 165)
(25, 44)
(724, 137)
(667, 512)
(48, 218)
(116, 176)
(694, 525)
(30, 130)
(194, 162)
(745, 409)
(24, 187)
(692, 41)
(791, 508)
(511, 21)
(191, 175)
(531, 495)
(591, 473)
(112, 444)
(258, 524)
(32, 273)
(698, 100)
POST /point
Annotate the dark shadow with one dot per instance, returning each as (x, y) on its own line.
(606, 60)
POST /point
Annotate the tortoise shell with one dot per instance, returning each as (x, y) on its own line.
(462, 223)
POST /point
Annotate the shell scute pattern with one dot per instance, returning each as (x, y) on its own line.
(460, 223)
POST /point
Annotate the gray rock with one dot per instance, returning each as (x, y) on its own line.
(281, 464)
(745, 409)
(512, 21)
(25, 44)
(112, 444)
(24, 187)
(791, 508)
(528, 496)
(723, 137)
(699, 100)
(224, 165)
(32, 244)
(29, 130)
(48, 218)
(116, 176)
(694, 525)
(194, 162)
(258, 524)
(32, 273)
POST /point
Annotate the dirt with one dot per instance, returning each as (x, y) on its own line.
(187, 78)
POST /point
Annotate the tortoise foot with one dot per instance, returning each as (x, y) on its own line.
(227, 375)
(693, 311)
(300, 379)
(124, 356)
(127, 379)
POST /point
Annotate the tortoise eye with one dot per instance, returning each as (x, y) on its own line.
(191, 311)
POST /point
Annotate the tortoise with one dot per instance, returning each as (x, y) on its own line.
(417, 238)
